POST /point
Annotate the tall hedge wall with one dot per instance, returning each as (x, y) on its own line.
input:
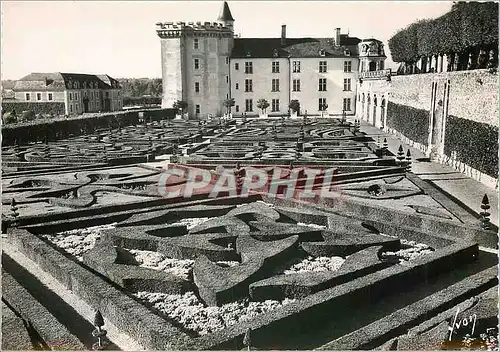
(54, 129)
(475, 143)
(468, 25)
(52, 108)
(411, 122)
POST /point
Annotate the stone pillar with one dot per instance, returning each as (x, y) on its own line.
(386, 128)
(439, 63)
(429, 64)
(445, 63)
(378, 115)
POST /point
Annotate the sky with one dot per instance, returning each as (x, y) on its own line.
(119, 38)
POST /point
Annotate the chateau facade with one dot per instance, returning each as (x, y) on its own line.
(206, 64)
(80, 93)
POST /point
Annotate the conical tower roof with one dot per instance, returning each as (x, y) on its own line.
(225, 13)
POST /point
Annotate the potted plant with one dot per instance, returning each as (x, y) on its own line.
(294, 107)
(180, 106)
(228, 104)
(263, 104)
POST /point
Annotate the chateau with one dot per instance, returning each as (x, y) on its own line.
(80, 93)
(205, 64)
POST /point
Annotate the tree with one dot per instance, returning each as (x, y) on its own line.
(9, 117)
(228, 103)
(294, 105)
(29, 115)
(262, 104)
(181, 106)
(323, 108)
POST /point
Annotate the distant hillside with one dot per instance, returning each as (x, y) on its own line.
(138, 87)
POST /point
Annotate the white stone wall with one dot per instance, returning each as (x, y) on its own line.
(171, 58)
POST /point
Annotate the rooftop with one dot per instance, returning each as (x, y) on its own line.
(58, 81)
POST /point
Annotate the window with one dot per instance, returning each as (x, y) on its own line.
(76, 107)
(196, 64)
(322, 104)
(236, 66)
(347, 84)
(248, 67)
(71, 108)
(227, 60)
(248, 85)
(196, 43)
(28, 97)
(296, 66)
(275, 85)
(275, 105)
(197, 108)
(70, 96)
(347, 66)
(237, 86)
(107, 94)
(347, 104)
(248, 105)
(197, 87)
(276, 67)
(296, 85)
(381, 65)
(322, 66)
(322, 52)
(38, 96)
(322, 84)
(227, 79)
(50, 97)
(76, 96)
(237, 108)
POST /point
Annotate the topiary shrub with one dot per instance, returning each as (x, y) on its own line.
(9, 117)
(475, 144)
(411, 122)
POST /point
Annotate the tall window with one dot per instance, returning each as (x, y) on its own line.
(197, 108)
(275, 105)
(296, 66)
(237, 108)
(381, 65)
(38, 96)
(322, 66)
(196, 64)
(70, 96)
(71, 108)
(248, 105)
(347, 66)
(276, 67)
(236, 66)
(76, 96)
(237, 86)
(248, 85)
(275, 85)
(347, 84)
(197, 87)
(227, 60)
(296, 85)
(249, 67)
(322, 104)
(347, 104)
(50, 96)
(28, 96)
(322, 85)
(196, 43)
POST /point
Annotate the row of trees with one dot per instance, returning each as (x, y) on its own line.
(138, 87)
(262, 104)
(469, 29)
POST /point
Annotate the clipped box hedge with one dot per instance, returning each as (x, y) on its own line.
(51, 108)
(475, 144)
(411, 122)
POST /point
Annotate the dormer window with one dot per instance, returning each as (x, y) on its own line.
(275, 53)
(347, 52)
(322, 52)
(248, 54)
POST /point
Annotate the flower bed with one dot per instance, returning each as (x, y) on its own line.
(187, 310)
(410, 250)
(79, 241)
(316, 264)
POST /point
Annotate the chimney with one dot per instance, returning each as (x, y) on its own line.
(337, 36)
(283, 34)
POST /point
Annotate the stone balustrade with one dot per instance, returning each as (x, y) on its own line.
(375, 74)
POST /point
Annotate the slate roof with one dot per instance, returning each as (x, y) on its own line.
(225, 13)
(59, 81)
(294, 47)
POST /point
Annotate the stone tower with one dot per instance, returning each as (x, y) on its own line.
(195, 63)
(371, 55)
